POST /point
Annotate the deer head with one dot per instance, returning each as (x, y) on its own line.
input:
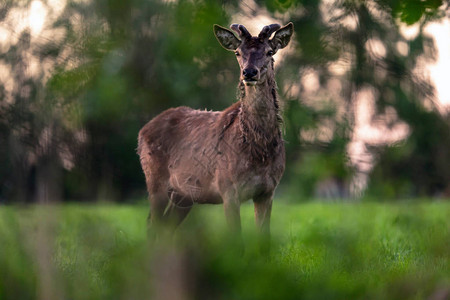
(254, 53)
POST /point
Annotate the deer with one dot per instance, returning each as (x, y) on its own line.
(221, 157)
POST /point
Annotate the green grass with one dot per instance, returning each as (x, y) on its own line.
(319, 251)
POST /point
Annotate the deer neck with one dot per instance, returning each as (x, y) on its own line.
(260, 118)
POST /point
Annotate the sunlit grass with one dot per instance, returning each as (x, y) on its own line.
(319, 251)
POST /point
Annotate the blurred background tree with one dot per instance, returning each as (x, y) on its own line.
(77, 87)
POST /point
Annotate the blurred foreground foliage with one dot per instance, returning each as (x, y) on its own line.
(76, 93)
(319, 251)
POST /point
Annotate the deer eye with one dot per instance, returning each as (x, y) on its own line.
(237, 53)
(270, 53)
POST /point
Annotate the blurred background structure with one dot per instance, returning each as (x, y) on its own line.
(363, 114)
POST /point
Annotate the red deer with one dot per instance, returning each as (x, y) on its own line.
(191, 156)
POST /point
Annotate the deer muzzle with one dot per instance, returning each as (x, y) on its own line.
(250, 76)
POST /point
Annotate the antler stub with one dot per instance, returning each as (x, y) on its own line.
(241, 31)
(267, 31)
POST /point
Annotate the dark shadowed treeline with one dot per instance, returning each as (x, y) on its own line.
(75, 92)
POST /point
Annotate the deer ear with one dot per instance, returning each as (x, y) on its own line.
(282, 37)
(226, 38)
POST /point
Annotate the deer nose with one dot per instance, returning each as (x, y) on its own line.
(249, 73)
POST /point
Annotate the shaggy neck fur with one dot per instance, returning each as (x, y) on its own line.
(259, 118)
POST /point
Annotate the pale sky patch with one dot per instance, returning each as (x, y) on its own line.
(440, 69)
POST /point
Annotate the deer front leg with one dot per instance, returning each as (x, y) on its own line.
(231, 207)
(263, 209)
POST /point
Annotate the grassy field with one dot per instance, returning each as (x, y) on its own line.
(319, 251)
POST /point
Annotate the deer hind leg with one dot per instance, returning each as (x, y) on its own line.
(156, 178)
(167, 211)
(263, 209)
(177, 209)
(158, 204)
